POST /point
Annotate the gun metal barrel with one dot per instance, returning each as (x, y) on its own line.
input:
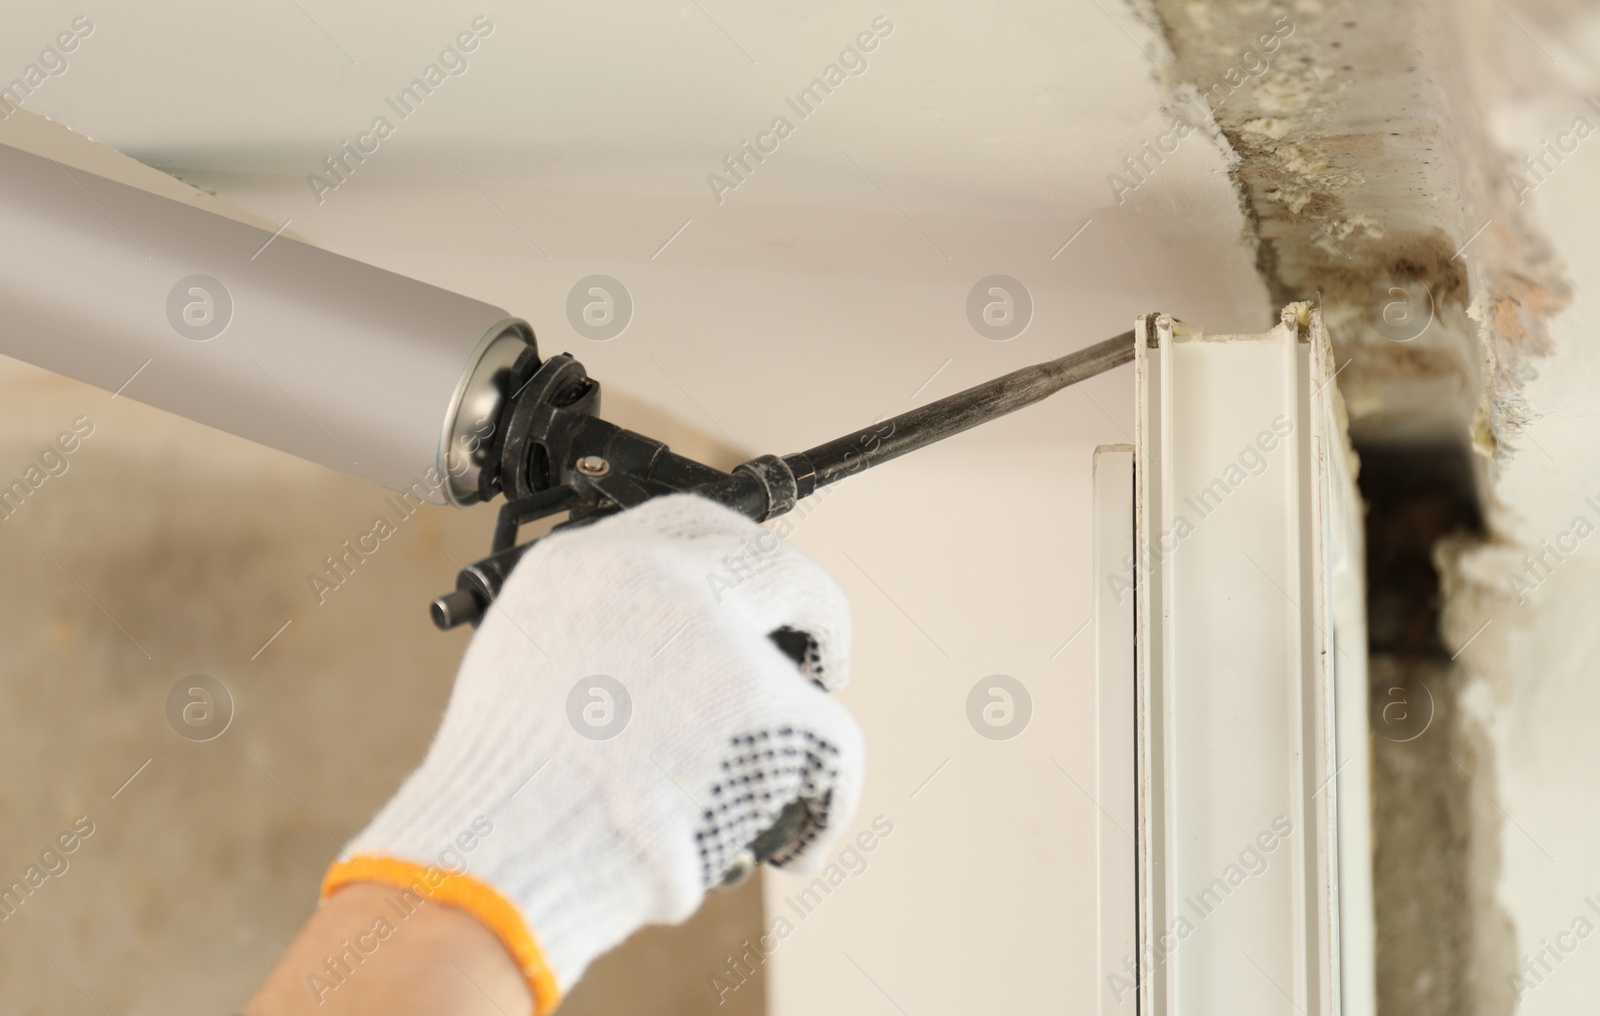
(335, 361)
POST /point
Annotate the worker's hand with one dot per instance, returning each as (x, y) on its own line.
(621, 727)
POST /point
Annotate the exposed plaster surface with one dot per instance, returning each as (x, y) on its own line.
(1364, 166)
(1558, 466)
(1427, 955)
(1529, 685)
(1434, 848)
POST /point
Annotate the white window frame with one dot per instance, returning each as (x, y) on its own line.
(1240, 755)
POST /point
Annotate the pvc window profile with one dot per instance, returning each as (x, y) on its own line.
(1231, 685)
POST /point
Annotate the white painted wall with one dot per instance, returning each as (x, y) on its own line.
(824, 292)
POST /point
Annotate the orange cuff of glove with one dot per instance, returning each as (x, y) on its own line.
(463, 892)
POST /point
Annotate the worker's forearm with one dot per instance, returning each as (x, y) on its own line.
(360, 954)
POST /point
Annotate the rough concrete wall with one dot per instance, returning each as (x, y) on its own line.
(165, 550)
(1362, 159)
(1529, 684)
(1441, 938)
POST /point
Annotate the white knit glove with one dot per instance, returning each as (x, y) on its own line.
(622, 726)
